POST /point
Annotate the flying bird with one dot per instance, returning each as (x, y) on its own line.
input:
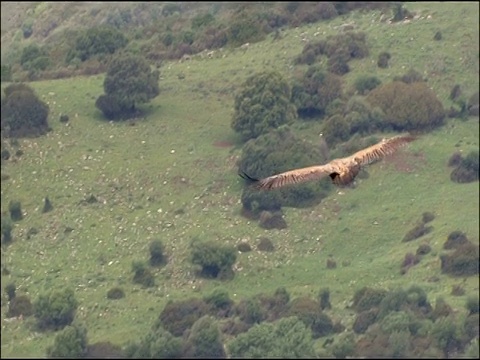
(342, 171)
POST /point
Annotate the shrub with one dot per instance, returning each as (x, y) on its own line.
(15, 209)
(219, 300)
(142, 274)
(383, 59)
(336, 129)
(473, 305)
(71, 343)
(427, 217)
(204, 340)
(96, 41)
(418, 231)
(455, 159)
(251, 311)
(423, 249)
(157, 256)
(104, 350)
(23, 113)
(265, 244)
(363, 320)
(176, 317)
(468, 170)
(438, 36)
(115, 293)
(410, 77)
(363, 84)
(271, 220)
(47, 205)
(64, 118)
(408, 106)
(244, 247)
(34, 58)
(7, 227)
(262, 104)
(455, 92)
(55, 309)
(472, 104)
(324, 299)
(20, 305)
(215, 260)
(10, 290)
(309, 312)
(409, 260)
(455, 239)
(367, 298)
(462, 262)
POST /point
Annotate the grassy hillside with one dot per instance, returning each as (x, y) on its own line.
(176, 159)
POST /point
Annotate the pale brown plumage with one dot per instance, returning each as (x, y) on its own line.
(342, 171)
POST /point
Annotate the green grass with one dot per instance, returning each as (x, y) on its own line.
(137, 179)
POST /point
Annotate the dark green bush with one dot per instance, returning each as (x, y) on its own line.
(315, 91)
(157, 253)
(142, 274)
(438, 36)
(219, 300)
(98, 40)
(23, 113)
(423, 249)
(204, 340)
(367, 298)
(473, 304)
(309, 312)
(335, 129)
(64, 118)
(468, 170)
(10, 290)
(47, 205)
(462, 262)
(20, 305)
(215, 260)
(383, 59)
(455, 239)
(324, 299)
(5, 73)
(472, 104)
(455, 92)
(34, 58)
(70, 343)
(455, 159)
(15, 209)
(427, 217)
(179, 316)
(251, 311)
(244, 247)
(270, 220)
(418, 231)
(7, 228)
(265, 244)
(363, 320)
(115, 293)
(364, 83)
(262, 104)
(55, 309)
(408, 106)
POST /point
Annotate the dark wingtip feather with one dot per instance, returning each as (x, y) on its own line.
(246, 177)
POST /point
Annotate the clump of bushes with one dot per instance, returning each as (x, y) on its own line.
(367, 298)
(178, 316)
(409, 260)
(383, 59)
(462, 262)
(55, 309)
(215, 260)
(157, 253)
(455, 239)
(418, 231)
(365, 83)
(467, 168)
(20, 305)
(272, 220)
(15, 209)
(308, 311)
(265, 244)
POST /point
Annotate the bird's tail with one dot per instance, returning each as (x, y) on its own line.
(245, 176)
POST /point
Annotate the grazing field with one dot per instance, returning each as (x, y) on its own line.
(173, 176)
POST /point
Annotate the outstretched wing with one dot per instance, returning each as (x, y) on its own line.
(292, 177)
(382, 149)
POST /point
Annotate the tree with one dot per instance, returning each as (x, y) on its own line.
(129, 81)
(287, 338)
(142, 274)
(204, 340)
(274, 152)
(23, 113)
(315, 91)
(70, 343)
(7, 227)
(55, 309)
(263, 104)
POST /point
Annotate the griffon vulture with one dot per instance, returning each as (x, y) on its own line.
(342, 171)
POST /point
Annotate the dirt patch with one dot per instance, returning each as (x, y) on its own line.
(406, 162)
(222, 144)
